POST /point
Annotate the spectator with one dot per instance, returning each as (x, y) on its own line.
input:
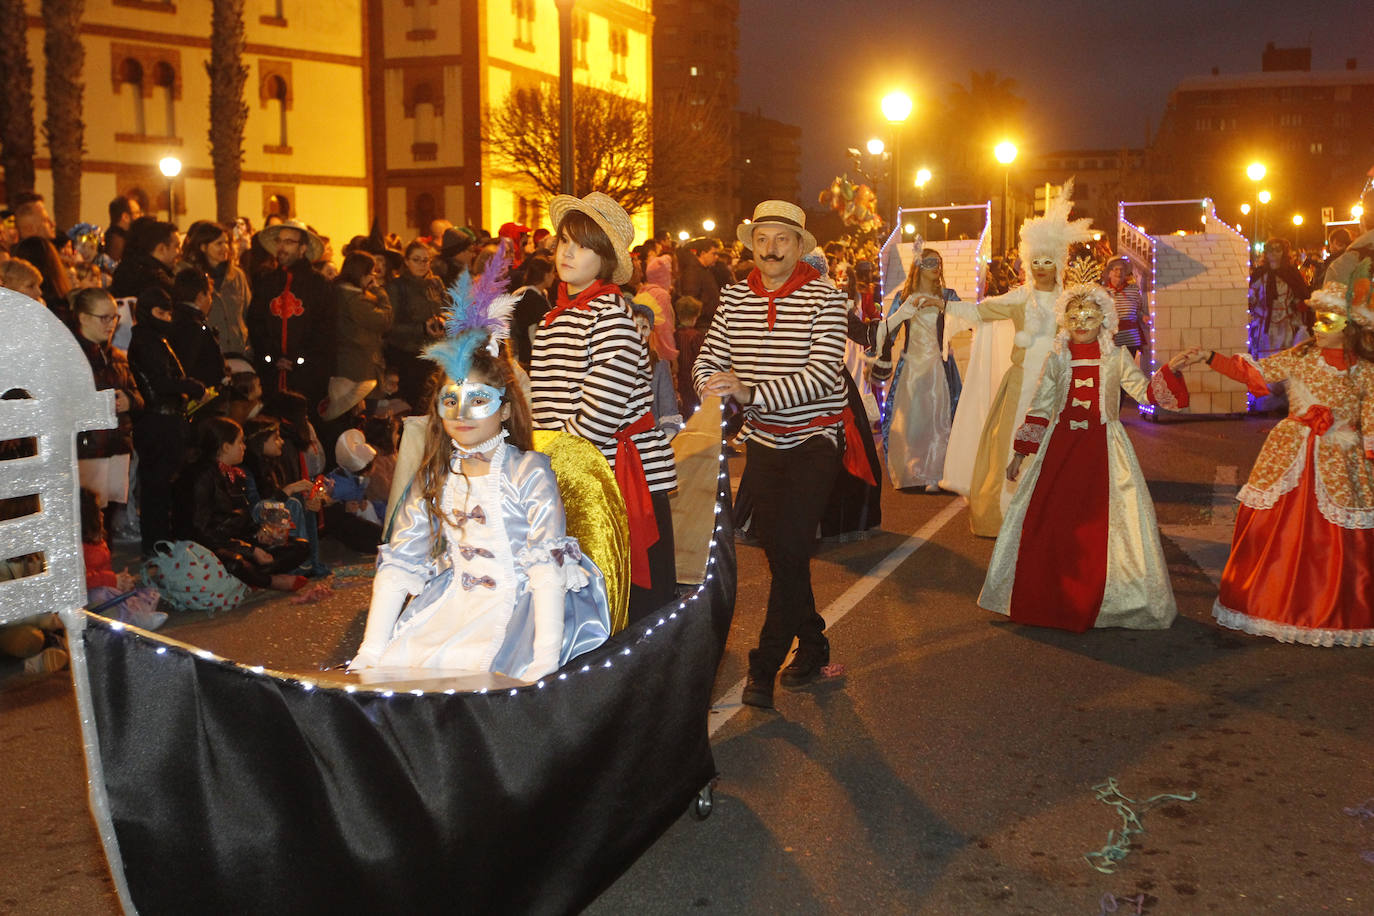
(384, 435)
(192, 339)
(22, 277)
(207, 248)
(696, 279)
(351, 519)
(723, 269)
(148, 259)
(667, 415)
(689, 340)
(56, 282)
(1335, 246)
(291, 321)
(273, 462)
(1130, 306)
(111, 251)
(123, 212)
(137, 606)
(665, 320)
(417, 298)
(161, 431)
(31, 217)
(1277, 294)
(88, 276)
(86, 239)
(104, 454)
(456, 252)
(531, 305)
(217, 512)
(364, 316)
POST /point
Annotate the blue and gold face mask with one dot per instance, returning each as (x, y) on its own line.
(468, 401)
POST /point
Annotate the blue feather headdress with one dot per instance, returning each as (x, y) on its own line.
(479, 315)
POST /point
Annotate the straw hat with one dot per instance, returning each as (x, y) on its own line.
(612, 219)
(778, 212)
(314, 248)
(344, 395)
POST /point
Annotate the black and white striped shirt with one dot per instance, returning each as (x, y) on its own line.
(795, 368)
(589, 375)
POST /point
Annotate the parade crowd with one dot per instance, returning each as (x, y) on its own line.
(261, 392)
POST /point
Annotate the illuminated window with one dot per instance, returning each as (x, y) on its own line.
(523, 13)
(620, 53)
(131, 89)
(582, 34)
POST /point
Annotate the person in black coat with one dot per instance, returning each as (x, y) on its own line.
(148, 259)
(291, 321)
(192, 340)
(215, 509)
(161, 431)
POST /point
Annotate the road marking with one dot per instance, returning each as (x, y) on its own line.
(729, 703)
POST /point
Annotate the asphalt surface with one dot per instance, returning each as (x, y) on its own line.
(950, 769)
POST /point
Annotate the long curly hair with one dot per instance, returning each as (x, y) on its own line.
(437, 463)
(913, 277)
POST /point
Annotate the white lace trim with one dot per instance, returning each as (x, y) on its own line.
(1359, 517)
(1032, 432)
(1160, 391)
(568, 571)
(1255, 498)
(1287, 632)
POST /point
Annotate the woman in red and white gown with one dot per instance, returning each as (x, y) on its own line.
(1302, 558)
(1079, 545)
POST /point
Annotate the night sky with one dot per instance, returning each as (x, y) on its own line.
(1099, 73)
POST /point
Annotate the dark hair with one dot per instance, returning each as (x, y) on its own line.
(215, 434)
(119, 208)
(380, 433)
(356, 266)
(154, 297)
(84, 300)
(147, 232)
(92, 519)
(258, 430)
(417, 245)
(537, 270)
(688, 310)
(41, 253)
(291, 406)
(114, 232)
(188, 284)
(1340, 233)
(201, 233)
(24, 200)
(578, 227)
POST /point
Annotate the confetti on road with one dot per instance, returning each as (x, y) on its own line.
(1119, 844)
(1111, 903)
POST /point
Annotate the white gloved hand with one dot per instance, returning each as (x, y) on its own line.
(388, 596)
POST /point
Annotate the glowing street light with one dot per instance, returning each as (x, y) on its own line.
(684, 235)
(945, 220)
(922, 177)
(708, 224)
(876, 146)
(1244, 209)
(1255, 171)
(170, 166)
(909, 228)
(896, 106)
(1356, 211)
(1005, 153)
(1297, 219)
(1264, 197)
(1297, 230)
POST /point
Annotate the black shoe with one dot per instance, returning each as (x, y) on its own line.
(758, 692)
(806, 666)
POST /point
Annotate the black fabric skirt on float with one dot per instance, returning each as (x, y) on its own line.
(235, 790)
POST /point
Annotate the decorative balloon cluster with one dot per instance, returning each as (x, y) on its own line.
(857, 205)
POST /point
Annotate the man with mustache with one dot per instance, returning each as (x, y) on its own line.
(776, 346)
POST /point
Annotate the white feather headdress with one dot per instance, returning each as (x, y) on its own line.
(1050, 236)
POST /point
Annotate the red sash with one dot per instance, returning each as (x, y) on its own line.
(855, 461)
(639, 506)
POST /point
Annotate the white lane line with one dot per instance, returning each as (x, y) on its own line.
(729, 703)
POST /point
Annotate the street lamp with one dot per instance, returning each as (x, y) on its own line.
(896, 108)
(708, 224)
(1255, 171)
(909, 228)
(684, 235)
(1262, 225)
(170, 167)
(1005, 153)
(945, 220)
(1356, 211)
(876, 147)
(1244, 209)
(1297, 230)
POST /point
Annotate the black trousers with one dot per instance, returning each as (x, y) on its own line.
(662, 565)
(790, 490)
(160, 440)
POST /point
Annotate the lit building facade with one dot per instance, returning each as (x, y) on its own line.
(147, 96)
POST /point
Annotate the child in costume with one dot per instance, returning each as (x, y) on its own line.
(1045, 242)
(479, 574)
(1302, 558)
(589, 376)
(665, 409)
(1079, 546)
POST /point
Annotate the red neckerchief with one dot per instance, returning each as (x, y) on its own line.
(232, 472)
(802, 274)
(581, 301)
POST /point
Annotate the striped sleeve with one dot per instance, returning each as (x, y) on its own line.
(818, 375)
(714, 355)
(613, 350)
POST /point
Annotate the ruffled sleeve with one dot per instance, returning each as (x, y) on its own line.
(561, 556)
(1166, 388)
(1046, 403)
(407, 556)
(1256, 377)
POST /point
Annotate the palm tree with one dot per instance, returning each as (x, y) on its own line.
(228, 110)
(64, 56)
(16, 100)
(983, 113)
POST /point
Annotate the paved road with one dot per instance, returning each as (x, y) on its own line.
(951, 770)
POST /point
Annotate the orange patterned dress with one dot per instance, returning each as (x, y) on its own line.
(1302, 558)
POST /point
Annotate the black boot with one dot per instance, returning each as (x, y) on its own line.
(806, 666)
(758, 691)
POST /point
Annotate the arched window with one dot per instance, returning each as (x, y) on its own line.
(276, 92)
(425, 211)
(278, 205)
(165, 78)
(131, 88)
